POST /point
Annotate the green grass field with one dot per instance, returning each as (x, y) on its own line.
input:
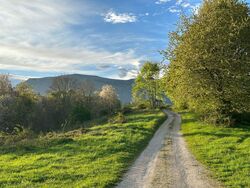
(225, 151)
(96, 158)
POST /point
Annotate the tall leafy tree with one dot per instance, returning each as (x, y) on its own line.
(209, 57)
(147, 84)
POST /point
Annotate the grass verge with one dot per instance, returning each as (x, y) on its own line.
(96, 158)
(225, 151)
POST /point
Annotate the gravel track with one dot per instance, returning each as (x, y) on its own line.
(166, 162)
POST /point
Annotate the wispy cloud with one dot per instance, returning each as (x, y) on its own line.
(19, 77)
(174, 9)
(37, 37)
(64, 60)
(115, 18)
(162, 1)
(25, 21)
(184, 6)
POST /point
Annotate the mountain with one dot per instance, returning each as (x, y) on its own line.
(123, 87)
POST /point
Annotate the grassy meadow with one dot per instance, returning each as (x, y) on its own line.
(225, 151)
(95, 157)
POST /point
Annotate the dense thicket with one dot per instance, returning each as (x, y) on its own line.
(209, 55)
(67, 104)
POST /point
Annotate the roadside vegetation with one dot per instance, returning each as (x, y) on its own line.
(225, 151)
(148, 90)
(209, 68)
(208, 74)
(93, 157)
(68, 105)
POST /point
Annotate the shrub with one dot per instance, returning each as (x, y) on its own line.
(142, 106)
(80, 114)
(127, 109)
(119, 118)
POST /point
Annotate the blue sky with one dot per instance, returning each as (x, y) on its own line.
(108, 38)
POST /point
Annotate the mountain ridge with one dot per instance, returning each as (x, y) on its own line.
(123, 87)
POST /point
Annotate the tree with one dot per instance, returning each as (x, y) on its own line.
(210, 61)
(5, 85)
(7, 103)
(147, 84)
(7, 113)
(86, 92)
(25, 102)
(63, 86)
(109, 98)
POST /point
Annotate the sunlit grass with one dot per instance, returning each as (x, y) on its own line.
(225, 151)
(97, 158)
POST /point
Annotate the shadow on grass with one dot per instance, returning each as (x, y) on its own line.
(241, 137)
(191, 120)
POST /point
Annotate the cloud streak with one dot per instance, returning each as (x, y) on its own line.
(162, 2)
(64, 60)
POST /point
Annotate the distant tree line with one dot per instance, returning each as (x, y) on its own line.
(67, 103)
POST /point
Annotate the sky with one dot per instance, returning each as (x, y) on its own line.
(107, 38)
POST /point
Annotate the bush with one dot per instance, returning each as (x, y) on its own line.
(64, 107)
(127, 109)
(119, 118)
(142, 106)
(242, 118)
(19, 135)
(80, 114)
(8, 113)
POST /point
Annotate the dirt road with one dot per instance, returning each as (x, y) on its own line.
(166, 162)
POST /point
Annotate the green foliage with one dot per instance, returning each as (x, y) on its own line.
(16, 108)
(210, 61)
(80, 114)
(118, 118)
(147, 85)
(5, 85)
(65, 106)
(225, 151)
(127, 109)
(94, 158)
(142, 106)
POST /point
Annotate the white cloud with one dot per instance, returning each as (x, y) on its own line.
(116, 18)
(36, 37)
(24, 21)
(162, 1)
(182, 5)
(195, 8)
(178, 2)
(61, 60)
(173, 9)
(19, 77)
(186, 5)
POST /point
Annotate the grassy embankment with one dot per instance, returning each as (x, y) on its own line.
(96, 158)
(225, 151)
